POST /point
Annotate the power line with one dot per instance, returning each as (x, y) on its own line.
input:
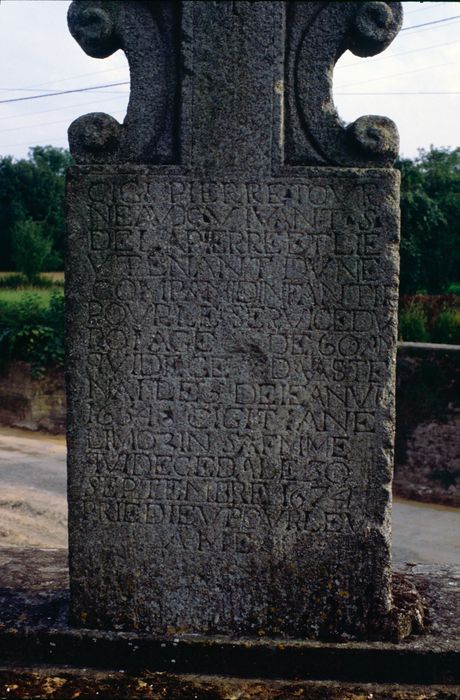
(18, 89)
(63, 141)
(101, 87)
(61, 121)
(433, 6)
(396, 75)
(54, 92)
(394, 55)
(58, 109)
(73, 77)
(398, 93)
(419, 31)
(427, 24)
(63, 92)
(36, 126)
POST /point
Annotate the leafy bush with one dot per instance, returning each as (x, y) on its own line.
(447, 328)
(31, 248)
(32, 333)
(13, 281)
(432, 305)
(430, 318)
(413, 325)
(33, 188)
(430, 212)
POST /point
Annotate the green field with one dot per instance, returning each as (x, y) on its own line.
(15, 296)
(53, 276)
(14, 288)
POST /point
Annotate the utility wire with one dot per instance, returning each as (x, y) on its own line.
(419, 31)
(396, 75)
(427, 24)
(99, 87)
(111, 70)
(398, 93)
(349, 65)
(74, 77)
(61, 121)
(63, 92)
(358, 64)
(60, 142)
(432, 6)
(57, 109)
(54, 92)
(64, 141)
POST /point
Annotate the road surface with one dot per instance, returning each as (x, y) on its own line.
(33, 509)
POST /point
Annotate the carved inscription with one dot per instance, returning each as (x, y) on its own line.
(238, 356)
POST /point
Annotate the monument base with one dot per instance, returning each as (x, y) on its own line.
(41, 656)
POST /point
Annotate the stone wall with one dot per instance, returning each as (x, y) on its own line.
(35, 404)
(427, 450)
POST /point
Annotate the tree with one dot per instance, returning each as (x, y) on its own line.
(430, 220)
(33, 189)
(31, 248)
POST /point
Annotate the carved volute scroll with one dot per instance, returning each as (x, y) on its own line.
(318, 33)
(146, 32)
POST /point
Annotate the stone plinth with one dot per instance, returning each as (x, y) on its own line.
(41, 656)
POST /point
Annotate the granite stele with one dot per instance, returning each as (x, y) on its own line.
(232, 279)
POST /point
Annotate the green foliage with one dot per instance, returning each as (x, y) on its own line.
(430, 318)
(447, 328)
(413, 325)
(430, 221)
(12, 281)
(15, 296)
(31, 248)
(33, 189)
(33, 333)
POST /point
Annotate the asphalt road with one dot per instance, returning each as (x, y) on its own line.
(33, 509)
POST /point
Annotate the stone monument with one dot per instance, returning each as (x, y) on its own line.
(232, 277)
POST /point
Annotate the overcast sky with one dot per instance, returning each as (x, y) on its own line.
(38, 55)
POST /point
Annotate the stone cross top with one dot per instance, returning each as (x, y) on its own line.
(232, 277)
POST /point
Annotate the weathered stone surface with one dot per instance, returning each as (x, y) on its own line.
(317, 34)
(147, 33)
(231, 401)
(232, 328)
